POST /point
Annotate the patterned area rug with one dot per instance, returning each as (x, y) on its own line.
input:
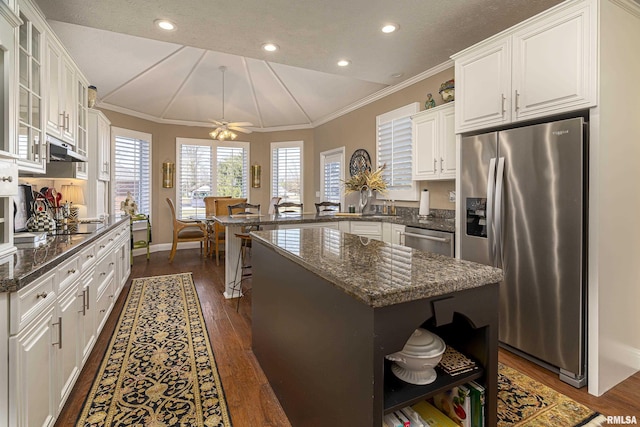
(523, 401)
(159, 369)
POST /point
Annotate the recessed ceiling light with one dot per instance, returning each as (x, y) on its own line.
(397, 75)
(270, 47)
(390, 28)
(344, 62)
(163, 24)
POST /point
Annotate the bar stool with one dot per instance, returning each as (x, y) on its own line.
(245, 243)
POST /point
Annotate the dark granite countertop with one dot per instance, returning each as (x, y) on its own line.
(376, 273)
(440, 224)
(21, 268)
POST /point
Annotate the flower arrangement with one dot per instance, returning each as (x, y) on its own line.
(366, 179)
(128, 205)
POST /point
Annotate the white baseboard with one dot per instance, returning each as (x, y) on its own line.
(166, 247)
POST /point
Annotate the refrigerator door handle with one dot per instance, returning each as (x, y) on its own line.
(498, 212)
(491, 183)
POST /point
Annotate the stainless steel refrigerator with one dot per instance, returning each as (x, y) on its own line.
(524, 199)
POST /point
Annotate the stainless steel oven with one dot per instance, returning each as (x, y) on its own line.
(440, 242)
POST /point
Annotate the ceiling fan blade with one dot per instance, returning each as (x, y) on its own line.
(239, 129)
(217, 123)
(242, 124)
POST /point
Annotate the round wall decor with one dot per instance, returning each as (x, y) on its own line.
(360, 162)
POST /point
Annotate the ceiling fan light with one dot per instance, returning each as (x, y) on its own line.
(214, 133)
(343, 62)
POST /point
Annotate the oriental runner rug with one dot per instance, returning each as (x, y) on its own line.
(523, 401)
(159, 368)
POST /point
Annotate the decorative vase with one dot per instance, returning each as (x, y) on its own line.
(366, 199)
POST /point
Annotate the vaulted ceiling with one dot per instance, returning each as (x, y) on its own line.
(174, 77)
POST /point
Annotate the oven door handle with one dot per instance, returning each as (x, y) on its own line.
(427, 237)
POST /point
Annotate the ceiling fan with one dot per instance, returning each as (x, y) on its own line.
(225, 129)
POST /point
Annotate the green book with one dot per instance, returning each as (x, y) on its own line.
(476, 395)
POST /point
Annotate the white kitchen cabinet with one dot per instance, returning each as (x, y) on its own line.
(52, 324)
(70, 306)
(32, 371)
(30, 147)
(543, 66)
(434, 143)
(9, 21)
(82, 127)
(61, 93)
(103, 145)
(87, 314)
(393, 233)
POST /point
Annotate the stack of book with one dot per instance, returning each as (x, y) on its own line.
(29, 239)
(463, 405)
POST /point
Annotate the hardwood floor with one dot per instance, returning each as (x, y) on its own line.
(250, 399)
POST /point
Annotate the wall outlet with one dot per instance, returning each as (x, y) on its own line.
(452, 196)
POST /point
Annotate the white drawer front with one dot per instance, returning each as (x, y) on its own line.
(87, 257)
(363, 228)
(30, 301)
(68, 273)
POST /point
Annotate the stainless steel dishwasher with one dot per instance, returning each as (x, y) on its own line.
(440, 242)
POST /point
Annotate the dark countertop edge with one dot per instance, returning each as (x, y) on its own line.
(377, 300)
(438, 224)
(17, 283)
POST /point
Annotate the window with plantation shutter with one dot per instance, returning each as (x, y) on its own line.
(286, 171)
(394, 141)
(209, 168)
(132, 169)
(332, 175)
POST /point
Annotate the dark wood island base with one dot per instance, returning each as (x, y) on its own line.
(322, 347)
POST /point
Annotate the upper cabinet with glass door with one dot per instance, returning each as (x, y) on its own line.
(31, 148)
(9, 22)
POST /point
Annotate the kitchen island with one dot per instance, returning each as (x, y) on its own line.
(235, 224)
(328, 306)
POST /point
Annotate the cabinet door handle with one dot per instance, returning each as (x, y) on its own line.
(41, 295)
(103, 310)
(435, 165)
(110, 264)
(503, 101)
(102, 246)
(72, 271)
(517, 100)
(89, 256)
(66, 122)
(441, 167)
(84, 304)
(87, 298)
(63, 119)
(7, 178)
(59, 343)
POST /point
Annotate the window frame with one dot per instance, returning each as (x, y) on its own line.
(213, 145)
(405, 112)
(138, 135)
(323, 158)
(287, 144)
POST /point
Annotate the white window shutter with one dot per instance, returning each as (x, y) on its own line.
(132, 172)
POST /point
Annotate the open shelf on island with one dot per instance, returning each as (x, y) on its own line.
(398, 394)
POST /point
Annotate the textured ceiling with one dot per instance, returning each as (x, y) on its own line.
(174, 77)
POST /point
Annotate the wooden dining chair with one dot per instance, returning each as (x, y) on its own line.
(221, 209)
(288, 207)
(272, 205)
(187, 231)
(327, 207)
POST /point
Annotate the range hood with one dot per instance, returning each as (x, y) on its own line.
(59, 151)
